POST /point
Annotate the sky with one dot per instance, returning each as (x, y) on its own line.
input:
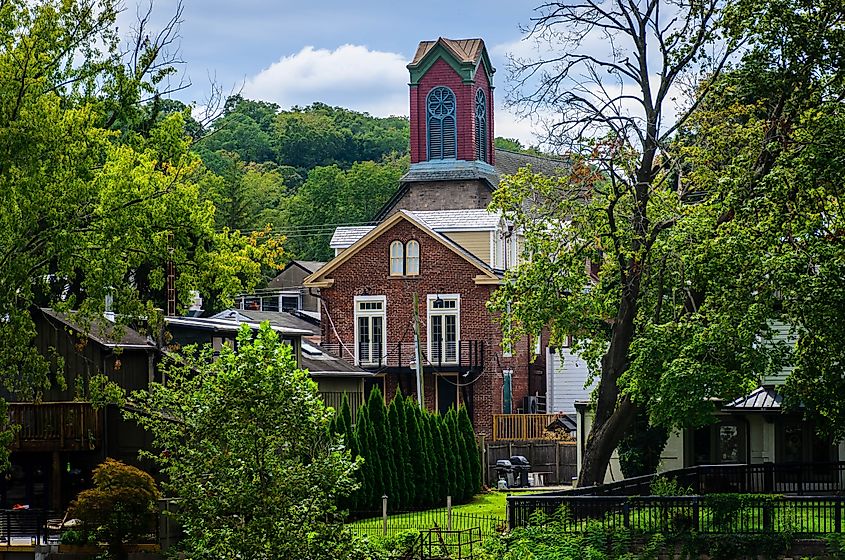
(347, 53)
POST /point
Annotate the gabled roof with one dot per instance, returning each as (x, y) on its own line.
(465, 50)
(761, 398)
(319, 280)
(465, 56)
(441, 221)
(101, 330)
(459, 220)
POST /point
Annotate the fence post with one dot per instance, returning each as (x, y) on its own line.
(695, 513)
(837, 515)
(384, 514)
(557, 462)
(767, 514)
(626, 514)
(448, 513)
(768, 477)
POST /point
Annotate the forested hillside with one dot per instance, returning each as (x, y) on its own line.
(301, 172)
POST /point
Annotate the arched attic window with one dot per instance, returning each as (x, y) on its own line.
(480, 126)
(397, 259)
(412, 258)
(442, 131)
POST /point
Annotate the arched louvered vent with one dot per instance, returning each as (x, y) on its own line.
(442, 130)
(480, 126)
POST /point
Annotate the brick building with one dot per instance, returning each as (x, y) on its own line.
(434, 243)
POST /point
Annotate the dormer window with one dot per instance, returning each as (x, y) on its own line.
(440, 117)
(397, 258)
(405, 259)
(480, 126)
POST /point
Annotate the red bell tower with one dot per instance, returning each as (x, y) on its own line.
(452, 105)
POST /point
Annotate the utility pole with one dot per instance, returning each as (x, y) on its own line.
(418, 350)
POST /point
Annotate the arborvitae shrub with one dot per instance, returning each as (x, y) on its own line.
(471, 445)
(382, 445)
(417, 456)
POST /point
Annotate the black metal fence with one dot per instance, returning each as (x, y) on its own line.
(716, 513)
(23, 527)
(720, 499)
(762, 478)
(373, 524)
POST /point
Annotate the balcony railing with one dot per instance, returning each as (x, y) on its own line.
(56, 426)
(462, 354)
(523, 427)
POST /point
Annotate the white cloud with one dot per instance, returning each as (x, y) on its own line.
(351, 76)
(358, 78)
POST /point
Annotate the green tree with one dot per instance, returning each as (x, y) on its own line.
(401, 451)
(442, 460)
(371, 470)
(245, 128)
(462, 469)
(382, 445)
(97, 191)
(417, 457)
(474, 465)
(121, 508)
(660, 329)
(248, 453)
(766, 145)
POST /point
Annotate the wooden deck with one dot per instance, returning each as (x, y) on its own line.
(56, 426)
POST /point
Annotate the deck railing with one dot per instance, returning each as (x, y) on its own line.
(462, 355)
(56, 426)
(524, 427)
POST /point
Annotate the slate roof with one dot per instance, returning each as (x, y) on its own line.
(446, 220)
(437, 220)
(275, 318)
(101, 330)
(465, 50)
(508, 163)
(761, 398)
(345, 236)
(319, 363)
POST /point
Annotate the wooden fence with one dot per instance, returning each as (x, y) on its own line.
(523, 427)
(334, 400)
(557, 459)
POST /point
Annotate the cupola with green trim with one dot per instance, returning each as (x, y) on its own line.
(452, 106)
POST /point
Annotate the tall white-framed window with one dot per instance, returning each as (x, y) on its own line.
(412, 258)
(444, 328)
(397, 258)
(370, 329)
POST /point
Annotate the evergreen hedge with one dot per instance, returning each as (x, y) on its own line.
(414, 456)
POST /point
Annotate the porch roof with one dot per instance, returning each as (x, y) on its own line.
(761, 398)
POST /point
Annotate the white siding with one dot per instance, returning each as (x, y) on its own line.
(565, 383)
(783, 333)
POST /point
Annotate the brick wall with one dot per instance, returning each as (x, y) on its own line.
(444, 195)
(441, 74)
(441, 271)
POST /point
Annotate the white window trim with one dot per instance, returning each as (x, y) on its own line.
(400, 259)
(296, 294)
(430, 312)
(408, 258)
(383, 314)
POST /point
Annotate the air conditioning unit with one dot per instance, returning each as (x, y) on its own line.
(531, 405)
